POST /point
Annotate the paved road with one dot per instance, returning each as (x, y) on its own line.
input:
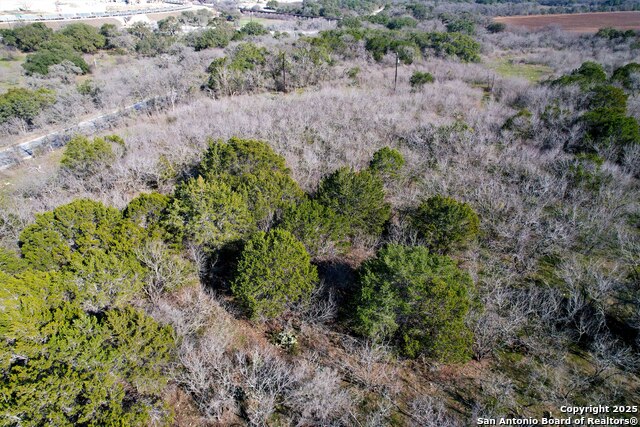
(46, 17)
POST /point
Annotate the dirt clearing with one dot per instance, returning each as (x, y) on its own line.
(576, 22)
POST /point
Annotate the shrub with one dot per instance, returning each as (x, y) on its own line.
(24, 104)
(418, 299)
(240, 156)
(254, 29)
(586, 171)
(419, 79)
(10, 262)
(607, 96)
(358, 197)
(588, 75)
(520, 124)
(318, 227)
(53, 53)
(169, 26)
(496, 27)
(386, 162)
(448, 44)
(91, 241)
(444, 223)
(147, 211)
(350, 22)
(613, 33)
(248, 56)
(610, 129)
(83, 157)
(461, 25)
(220, 36)
(628, 76)
(208, 213)
(27, 38)
(381, 42)
(274, 272)
(399, 22)
(418, 10)
(64, 366)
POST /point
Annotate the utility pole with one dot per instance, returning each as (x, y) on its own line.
(395, 79)
(284, 74)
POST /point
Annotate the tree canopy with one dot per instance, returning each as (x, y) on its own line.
(24, 104)
(52, 53)
(27, 38)
(208, 213)
(444, 223)
(82, 37)
(273, 273)
(91, 241)
(65, 366)
(358, 197)
(417, 298)
(84, 157)
(253, 170)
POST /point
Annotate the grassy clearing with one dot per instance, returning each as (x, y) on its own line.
(264, 21)
(42, 165)
(11, 70)
(244, 21)
(510, 67)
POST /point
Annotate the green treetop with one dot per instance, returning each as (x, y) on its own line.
(358, 197)
(417, 298)
(274, 272)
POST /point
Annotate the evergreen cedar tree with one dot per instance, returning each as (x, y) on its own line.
(358, 197)
(52, 53)
(208, 213)
(27, 38)
(64, 366)
(92, 242)
(607, 125)
(418, 299)
(387, 163)
(419, 79)
(83, 157)
(73, 351)
(47, 48)
(274, 272)
(315, 225)
(623, 76)
(445, 224)
(147, 211)
(24, 104)
(251, 169)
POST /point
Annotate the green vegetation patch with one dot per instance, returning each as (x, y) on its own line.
(509, 67)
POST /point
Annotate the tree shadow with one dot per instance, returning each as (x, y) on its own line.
(339, 278)
(220, 268)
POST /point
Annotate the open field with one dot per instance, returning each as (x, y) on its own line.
(577, 22)
(513, 67)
